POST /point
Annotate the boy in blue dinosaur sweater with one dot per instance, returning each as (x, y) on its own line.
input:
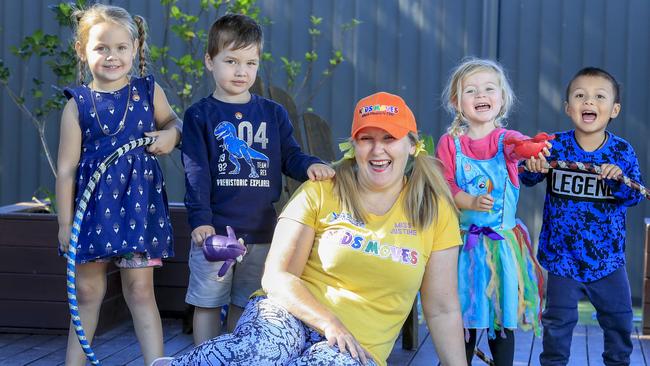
(236, 145)
(582, 242)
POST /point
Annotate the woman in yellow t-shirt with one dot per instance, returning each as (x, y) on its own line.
(349, 255)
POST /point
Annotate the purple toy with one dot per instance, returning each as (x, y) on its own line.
(219, 248)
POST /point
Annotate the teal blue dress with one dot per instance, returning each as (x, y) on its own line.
(499, 280)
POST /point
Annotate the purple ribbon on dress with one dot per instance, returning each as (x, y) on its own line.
(475, 232)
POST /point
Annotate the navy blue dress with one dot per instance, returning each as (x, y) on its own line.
(128, 210)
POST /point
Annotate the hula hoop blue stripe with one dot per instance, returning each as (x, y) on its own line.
(74, 239)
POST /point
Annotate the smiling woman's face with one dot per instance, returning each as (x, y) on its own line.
(381, 159)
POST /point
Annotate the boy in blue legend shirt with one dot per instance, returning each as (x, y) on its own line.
(236, 145)
(582, 242)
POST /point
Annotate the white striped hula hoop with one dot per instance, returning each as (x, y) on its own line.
(74, 239)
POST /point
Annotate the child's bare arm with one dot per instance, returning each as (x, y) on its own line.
(169, 126)
(68, 158)
(466, 201)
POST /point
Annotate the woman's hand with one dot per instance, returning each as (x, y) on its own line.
(165, 141)
(200, 233)
(337, 334)
(484, 202)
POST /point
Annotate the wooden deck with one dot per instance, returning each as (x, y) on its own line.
(118, 346)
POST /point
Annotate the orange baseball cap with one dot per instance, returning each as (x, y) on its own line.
(386, 111)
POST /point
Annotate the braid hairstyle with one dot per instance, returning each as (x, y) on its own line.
(425, 188)
(84, 19)
(142, 42)
(452, 93)
(81, 66)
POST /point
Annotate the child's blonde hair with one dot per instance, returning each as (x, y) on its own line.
(452, 95)
(84, 19)
(424, 189)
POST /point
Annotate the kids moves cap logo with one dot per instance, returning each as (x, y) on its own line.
(378, 109)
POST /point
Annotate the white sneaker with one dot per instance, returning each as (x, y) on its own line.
(162, 361)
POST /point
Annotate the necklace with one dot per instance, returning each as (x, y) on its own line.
(120, 126)
(603, 142)
(599, 146)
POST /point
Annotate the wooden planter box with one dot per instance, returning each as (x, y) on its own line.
(33, 297)
(171, 280)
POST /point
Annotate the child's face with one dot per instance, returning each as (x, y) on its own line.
(234, 72)
(591, 103)
(110, 52)
(481, 98)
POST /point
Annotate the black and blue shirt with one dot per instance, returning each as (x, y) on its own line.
(583, 228)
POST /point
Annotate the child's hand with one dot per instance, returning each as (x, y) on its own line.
(200, 233)
(320, 171)
(484, 202)
(165, 141)
(539, 164)
(64, 237)
(610, 171)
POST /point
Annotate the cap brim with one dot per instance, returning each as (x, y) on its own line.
(396, 131)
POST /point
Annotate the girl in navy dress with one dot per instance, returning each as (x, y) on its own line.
(127, 220)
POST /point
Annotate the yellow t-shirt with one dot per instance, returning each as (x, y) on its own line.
(368, 274)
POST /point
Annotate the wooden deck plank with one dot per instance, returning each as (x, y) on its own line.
(13, 349)
(37, 352)
(401, 356)
(173, 339)
(119, 346)
(641, 346)
(57, 357)
(426, 354)
(9, 338)
(523, 342)
(595, 345)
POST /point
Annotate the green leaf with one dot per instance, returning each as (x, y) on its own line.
(175, 12)
(311, 56)
(4, 73)
(429, 144)
(351, 25)
(315, 20)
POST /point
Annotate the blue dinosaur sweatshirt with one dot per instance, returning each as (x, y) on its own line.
(234, 156)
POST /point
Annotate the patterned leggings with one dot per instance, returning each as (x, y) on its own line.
(267, 335)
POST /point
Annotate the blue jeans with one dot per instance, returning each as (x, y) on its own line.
(612, 299)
